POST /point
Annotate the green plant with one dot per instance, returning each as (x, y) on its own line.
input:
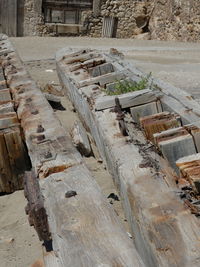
(123, 87)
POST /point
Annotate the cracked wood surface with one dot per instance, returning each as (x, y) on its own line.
(166, 234)
(85, 229)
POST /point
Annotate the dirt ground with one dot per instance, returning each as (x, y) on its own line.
(177, 63)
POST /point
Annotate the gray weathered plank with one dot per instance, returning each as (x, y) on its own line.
(126, 100)
(143, 110)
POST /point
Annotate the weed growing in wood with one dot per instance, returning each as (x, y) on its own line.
(123, 87)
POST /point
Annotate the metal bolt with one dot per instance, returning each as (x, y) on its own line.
(48, 155)
(40, 129)
(34, 112)
(40, 137)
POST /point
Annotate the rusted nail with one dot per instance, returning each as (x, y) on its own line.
(34, 112)
(40, 137)
(40, 129)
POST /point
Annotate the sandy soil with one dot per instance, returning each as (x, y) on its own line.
(175, 62)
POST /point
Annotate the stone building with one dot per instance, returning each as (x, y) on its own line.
(150, 19)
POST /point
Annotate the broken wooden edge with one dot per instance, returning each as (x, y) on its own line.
(13, 155)
(190, 170)
(156, 215)
(84, 228)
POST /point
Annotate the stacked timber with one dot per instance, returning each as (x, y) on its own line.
(84, 229)
(165, 231)
(13, 156)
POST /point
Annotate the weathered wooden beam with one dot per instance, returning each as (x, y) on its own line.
(6, 108)
(13, 160)
(176, 147)
(158, 122)
(102, 80)
(143, 110)
(85, 229)
(8, 120)
(190, 169)
(5, 96)
(126, 100)
(156, 215)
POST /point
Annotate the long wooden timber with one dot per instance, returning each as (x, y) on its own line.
(13, 156)
(65, 203)
(165, 231)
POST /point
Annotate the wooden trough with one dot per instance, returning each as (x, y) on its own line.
(165, 231)
(65, 204)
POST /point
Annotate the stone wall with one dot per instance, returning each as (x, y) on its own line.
(33, 20)
(175, 20)
(155, 19)
(132, 18)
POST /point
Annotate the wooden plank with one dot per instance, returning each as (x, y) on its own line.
(176, 148)
(180, 95)
(8, 120)
(168, 134)
(147, 194)
(17, 156)
(5, 173)
(194, 130)
(6, 108)
(157, 123)
(101, 69)
(102, 80)
(5, 95)
(143, 110)
(85, 229)
(70, 218)
(126, 100)
(81, 58)
(172, 105)
(190, 170)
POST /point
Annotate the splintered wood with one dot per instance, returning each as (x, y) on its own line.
(190, 169)
(35, 207)
(85, 230)
(13, 157)
(158, 122)
(163, 227)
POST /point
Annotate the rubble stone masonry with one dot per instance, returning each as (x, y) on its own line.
(150, 19)
(155, 19)
(32, 17)
(175, 20)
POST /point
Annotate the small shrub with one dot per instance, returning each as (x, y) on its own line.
(123, 87)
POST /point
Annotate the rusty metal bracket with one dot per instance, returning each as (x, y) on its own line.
(120, 117)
